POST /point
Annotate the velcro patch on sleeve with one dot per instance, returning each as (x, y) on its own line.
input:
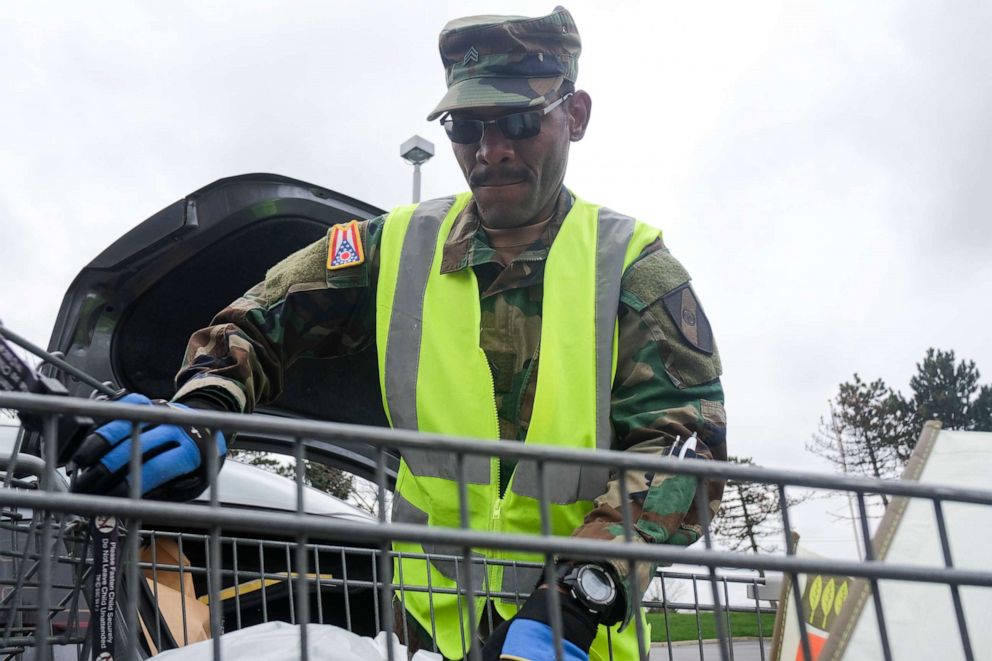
(650, 277)
(684, 309)
(344, 246)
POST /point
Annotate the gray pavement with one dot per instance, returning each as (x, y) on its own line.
(744, 650)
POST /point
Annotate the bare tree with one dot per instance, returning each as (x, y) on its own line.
(352, 489)
(750, 515)
(325, 478)
(858, 437)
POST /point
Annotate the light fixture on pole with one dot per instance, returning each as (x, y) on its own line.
(417, 151)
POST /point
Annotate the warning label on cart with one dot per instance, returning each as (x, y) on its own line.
(15, 376)
(106, 553)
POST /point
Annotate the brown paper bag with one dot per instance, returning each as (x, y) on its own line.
(175, 595)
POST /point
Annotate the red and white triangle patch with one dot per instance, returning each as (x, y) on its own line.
(344, 248)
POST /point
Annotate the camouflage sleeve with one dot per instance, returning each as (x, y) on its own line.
(667, 386)
(300, 309)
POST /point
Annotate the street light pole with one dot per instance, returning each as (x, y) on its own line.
(416, 182)
(417, 151)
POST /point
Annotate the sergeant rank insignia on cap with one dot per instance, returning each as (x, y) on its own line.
(344, 246)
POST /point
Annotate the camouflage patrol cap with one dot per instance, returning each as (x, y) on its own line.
(507, 61)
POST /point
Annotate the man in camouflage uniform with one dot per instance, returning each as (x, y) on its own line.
(667, 382)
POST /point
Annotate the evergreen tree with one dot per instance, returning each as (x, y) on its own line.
(871, 430)
(944, 390)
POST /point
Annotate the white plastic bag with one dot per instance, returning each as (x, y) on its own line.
(280, 641)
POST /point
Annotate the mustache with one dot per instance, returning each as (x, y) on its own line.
(497, 175)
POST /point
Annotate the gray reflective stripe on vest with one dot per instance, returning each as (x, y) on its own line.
(403, 343)
(450, 563)
(592, 482)
(406, 512)
(406, 319)
(447, 560)
(432, 463)
(614, 233)
(568, 483)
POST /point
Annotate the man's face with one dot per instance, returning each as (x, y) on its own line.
(516, 182)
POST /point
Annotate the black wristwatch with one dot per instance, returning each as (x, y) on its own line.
(590, 584)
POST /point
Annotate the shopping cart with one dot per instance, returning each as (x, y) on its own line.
(245, 566)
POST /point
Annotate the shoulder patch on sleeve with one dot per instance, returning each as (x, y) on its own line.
(357, 273)
(683, 307)
(650, 278)
(344, 246)
(307, 268)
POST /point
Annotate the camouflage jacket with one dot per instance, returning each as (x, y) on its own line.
(667, 381)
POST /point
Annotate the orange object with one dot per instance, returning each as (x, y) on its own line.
(816, 644)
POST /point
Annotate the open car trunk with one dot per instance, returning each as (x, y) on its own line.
(126, 318)
(128, 315)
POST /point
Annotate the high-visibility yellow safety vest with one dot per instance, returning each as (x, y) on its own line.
(436, 378)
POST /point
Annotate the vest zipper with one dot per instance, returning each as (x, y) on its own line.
(494, 466)
(495, 525)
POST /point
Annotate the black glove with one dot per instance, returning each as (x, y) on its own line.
(528, 635)
(174, 465)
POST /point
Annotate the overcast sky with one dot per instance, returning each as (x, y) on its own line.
(819, 168)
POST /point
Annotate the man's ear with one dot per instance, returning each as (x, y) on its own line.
(579, 110)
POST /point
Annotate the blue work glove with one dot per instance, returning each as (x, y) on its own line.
(174, 465)
(528, 635)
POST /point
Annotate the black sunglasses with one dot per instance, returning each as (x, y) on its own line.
(518, 126)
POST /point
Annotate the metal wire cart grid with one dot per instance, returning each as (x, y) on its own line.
(53, 538)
